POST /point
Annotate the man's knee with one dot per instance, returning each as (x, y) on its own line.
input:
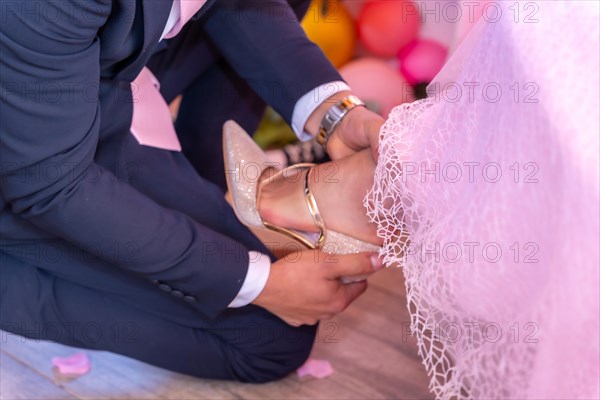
(274, 356)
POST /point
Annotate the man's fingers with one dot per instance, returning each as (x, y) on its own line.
(354, 265)
(297, 322)
(353, 290)
(337, 148)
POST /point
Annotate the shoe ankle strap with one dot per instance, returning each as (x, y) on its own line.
(313, 208)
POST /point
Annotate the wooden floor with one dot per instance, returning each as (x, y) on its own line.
(372, 353)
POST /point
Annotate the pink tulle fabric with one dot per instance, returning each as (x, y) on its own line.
(494, 179)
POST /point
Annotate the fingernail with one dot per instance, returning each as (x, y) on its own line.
(376, 262)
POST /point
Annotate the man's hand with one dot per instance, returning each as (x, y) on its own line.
(358, 130)
(305, 287)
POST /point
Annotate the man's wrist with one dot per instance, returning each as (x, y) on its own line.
(310, 101)
(335, 116)
(256, 278)
(313, 124)
(266, 294)
(357, 131)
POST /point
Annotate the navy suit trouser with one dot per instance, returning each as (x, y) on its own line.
(59, 291)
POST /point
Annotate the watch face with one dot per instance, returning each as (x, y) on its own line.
(337, 111)
(334, 116)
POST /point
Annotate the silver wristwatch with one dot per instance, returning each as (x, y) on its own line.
(335, 115)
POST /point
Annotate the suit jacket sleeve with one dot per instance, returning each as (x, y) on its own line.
(267, 47)
(49, 129)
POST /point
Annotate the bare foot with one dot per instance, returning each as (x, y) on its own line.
(339, 188)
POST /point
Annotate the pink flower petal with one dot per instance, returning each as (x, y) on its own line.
(316, 368)
(76, 364)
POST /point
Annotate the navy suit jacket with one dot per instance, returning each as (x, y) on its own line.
(65, 70)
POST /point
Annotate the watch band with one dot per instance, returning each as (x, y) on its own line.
(334, 116)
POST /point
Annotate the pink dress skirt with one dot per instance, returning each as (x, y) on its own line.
(494, 180)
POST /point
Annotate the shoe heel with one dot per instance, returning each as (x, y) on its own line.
(244, 164)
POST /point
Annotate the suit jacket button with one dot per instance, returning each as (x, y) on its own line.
(164, 287)
(190, 299)
(155, 282)
(177, 294)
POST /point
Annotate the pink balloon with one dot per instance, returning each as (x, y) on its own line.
(421, 60)
(354, 7)
(387, 26)
(377, 83)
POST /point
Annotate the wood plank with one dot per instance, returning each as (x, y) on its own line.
(382, 312)
(114, 376)
(389, 280)
(375, 368)
(368, 346)
(364, 368)
(18, 381)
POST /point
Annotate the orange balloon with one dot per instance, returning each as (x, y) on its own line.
(387, 26)
(330, 26)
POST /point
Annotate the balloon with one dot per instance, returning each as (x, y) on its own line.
(354, 7)
(330, 26)
(387, 26)
(377, 83)
(421, 60)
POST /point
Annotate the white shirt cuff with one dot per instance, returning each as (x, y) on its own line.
(256, 279)
(309, 102)
(173, 18)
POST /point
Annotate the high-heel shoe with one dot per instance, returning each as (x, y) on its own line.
(243, 158)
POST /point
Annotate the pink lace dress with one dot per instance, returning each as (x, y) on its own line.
(495, 180)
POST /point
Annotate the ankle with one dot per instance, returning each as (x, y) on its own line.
(281, 201)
